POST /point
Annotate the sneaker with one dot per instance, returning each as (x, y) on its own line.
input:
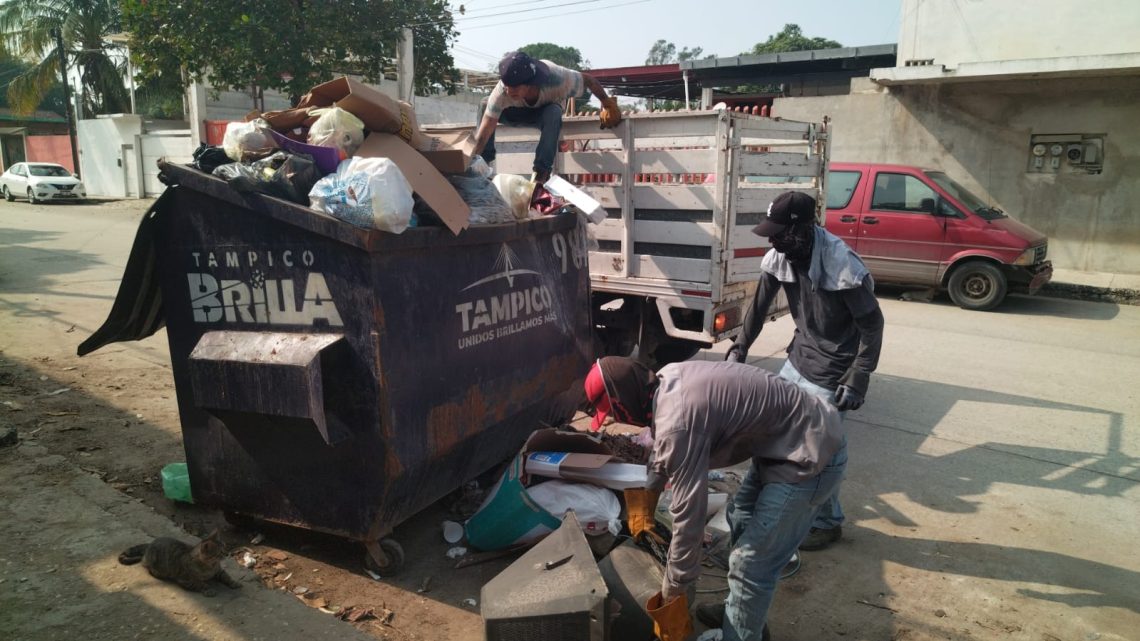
(717, 634)
(821, 539)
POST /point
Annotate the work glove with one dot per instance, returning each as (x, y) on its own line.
(671, 621)
(610, 114)
(735, 354)
(848, 398)
(640, 506)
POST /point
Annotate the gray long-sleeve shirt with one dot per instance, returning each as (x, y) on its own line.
(710, 415)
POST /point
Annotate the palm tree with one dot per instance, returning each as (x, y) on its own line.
(29, 26)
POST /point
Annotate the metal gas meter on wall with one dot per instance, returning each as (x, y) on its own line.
(1066, 153)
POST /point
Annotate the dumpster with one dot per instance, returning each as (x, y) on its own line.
(341, 379)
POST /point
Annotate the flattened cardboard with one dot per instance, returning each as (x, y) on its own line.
(555, 464)
(424, 178)
(379, 112)
(593, 209)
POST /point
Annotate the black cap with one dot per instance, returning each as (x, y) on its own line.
(517, 68)
(789, 208)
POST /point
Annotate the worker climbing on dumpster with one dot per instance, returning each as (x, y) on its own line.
(703, 415)
(839, 327)
(531, 93)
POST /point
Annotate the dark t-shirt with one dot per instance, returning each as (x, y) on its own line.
(830, 325)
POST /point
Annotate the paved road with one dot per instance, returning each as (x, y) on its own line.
(994, 484)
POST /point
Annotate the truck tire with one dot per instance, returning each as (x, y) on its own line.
(977, 285)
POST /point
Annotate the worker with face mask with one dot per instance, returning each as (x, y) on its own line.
(839, 328)
(704, 415)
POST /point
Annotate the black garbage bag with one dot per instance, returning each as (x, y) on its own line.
(207, 158)
(284, 175)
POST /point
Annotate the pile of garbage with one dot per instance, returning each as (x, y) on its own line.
(567, 479)
(353, 153)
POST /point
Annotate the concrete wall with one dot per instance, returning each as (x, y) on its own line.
(979, 134)
(110, 148)
(210, 104)
(55, 149)
(955, 31)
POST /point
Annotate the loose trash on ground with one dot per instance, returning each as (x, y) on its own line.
(176, 482)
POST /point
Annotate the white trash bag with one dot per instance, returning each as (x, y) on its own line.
(367, 192)
(516, 190)
(244, 141)
(597, 508)
(336, 128)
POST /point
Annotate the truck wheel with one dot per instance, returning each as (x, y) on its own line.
(673, 352)
(977, 285)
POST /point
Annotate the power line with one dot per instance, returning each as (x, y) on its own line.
(557, 15)
(500, 6)
(505, 13)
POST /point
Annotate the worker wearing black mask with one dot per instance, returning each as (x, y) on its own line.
(839, 328)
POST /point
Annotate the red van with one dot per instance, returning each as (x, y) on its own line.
(917, 226)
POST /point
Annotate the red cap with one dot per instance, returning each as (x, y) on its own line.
(596, 394)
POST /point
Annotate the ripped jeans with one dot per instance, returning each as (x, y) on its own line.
(767, 522)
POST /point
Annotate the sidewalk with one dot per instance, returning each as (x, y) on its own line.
(61, 530)
(1100, 280)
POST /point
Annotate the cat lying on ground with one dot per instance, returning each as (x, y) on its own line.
(190, 566)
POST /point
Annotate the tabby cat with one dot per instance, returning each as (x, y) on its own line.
(190, 566)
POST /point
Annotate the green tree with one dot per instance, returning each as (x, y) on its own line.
(30, 26)
(791, 38)
(288, 45)
(663, 52)
(568, 57)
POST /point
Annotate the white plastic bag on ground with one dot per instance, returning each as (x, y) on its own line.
(516, 190)
(597, 508)
(245, 141)
(336, 128)
(367, 192)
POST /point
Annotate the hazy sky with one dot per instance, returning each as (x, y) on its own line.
(619, 33)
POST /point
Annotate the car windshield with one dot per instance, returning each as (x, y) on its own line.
(47, 170)
(976, 205)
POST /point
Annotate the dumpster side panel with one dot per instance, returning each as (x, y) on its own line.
(498, 336)
(443, 354)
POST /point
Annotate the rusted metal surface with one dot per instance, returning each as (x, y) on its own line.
(416, 361)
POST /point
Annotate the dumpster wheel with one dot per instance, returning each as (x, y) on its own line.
(384, 557)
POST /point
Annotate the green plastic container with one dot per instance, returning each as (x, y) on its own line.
(509, 516)
(176, 483)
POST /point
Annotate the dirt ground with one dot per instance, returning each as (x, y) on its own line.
(93, 433)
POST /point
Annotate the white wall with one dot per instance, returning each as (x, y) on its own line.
(956, 31)
(109, 170)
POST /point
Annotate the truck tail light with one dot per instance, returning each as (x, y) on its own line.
(726, 319)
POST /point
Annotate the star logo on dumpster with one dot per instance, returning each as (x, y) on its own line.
(504, 269)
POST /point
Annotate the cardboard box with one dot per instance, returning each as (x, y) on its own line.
(381, 113)
(425, 179)
(593, 209)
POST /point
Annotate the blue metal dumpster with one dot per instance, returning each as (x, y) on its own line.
(341, 379)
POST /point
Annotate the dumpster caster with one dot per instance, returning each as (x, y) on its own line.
(240, 521)
(384, 557)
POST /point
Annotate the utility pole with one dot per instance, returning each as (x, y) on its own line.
(58, 33)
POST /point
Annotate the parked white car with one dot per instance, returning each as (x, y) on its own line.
(40, 181)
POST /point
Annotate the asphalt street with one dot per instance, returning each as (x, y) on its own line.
(993, 489)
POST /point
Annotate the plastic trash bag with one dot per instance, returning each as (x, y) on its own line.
(248, 141)
(516, 190)
(487, 205)
(367, 192)
(284, 175)
(208, 158)
(597, 508)
(479, 167)
(336, 128)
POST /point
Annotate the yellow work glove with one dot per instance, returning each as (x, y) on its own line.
(611, 114)
(671, 621)
(640, 506)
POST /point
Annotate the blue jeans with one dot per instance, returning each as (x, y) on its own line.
(548, 120)
(767, 522)
(830, 515)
